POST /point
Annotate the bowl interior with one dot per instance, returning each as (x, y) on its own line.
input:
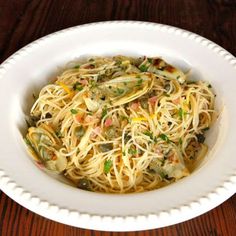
(27, 72)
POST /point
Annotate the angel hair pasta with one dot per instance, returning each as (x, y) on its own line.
(121, 124)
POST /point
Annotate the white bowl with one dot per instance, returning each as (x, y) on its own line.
(30, 68)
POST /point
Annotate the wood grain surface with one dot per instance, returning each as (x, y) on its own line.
(22, 21)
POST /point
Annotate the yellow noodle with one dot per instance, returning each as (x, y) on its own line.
(141, 131)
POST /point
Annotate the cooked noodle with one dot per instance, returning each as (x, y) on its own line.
(121, 124)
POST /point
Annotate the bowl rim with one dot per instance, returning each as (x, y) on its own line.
(130, 223)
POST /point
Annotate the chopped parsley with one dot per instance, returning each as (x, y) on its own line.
(162, 174)
(74, 111)
(77, 66)
(164, 137)
(104, 112)
(120, 91)
(181, 113)
(107, 166)
(92, 83)
(209, 86)
(59, 134)
(27, 141)
(143, 68)
(180, 141)
(132, 151)
(150, 60)
(124, 118)
(148, 133)
(77, 86)
(139, 82)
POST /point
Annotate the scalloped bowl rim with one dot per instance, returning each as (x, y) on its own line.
(170, 205)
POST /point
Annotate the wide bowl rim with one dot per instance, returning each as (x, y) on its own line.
(196, 207)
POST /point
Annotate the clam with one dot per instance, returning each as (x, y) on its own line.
(45, 145)
(160, 67)
(119, 91)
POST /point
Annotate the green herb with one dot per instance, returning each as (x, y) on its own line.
(124, 83)
(209, 86)
(77, 66)
(148, 133)
(139, 82)
(74, 111)
(120, 91)
(91, 59)
(143, 68)
(150, 60)
(27, 141)
(124, 118)
(123, 153)
(180, 141)
(77, 86)
(93, 83)
(132, 151)
(181, 113)
(59, 134)
(107, 166)
(178, 77)
(104, 112)
(162, 174)
(164, 137)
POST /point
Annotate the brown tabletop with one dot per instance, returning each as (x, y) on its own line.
(22, 21)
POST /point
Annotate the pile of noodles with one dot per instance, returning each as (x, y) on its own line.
(121, 124)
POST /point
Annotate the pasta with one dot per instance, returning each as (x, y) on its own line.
(121, 124)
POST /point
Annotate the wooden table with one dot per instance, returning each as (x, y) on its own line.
(22, 21)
